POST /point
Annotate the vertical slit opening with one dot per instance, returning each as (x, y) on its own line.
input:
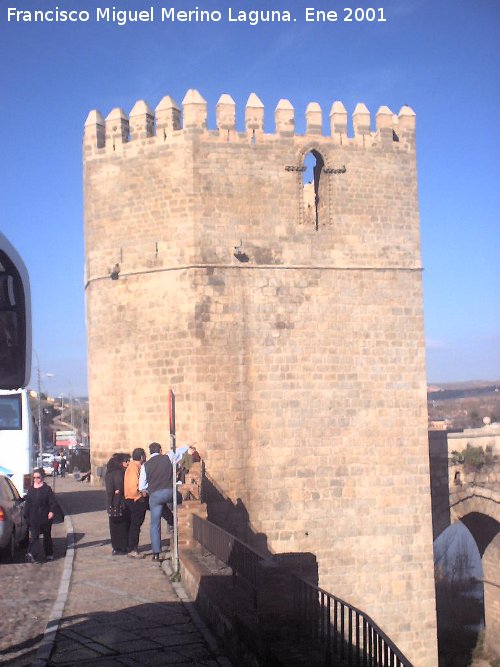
(313, 163)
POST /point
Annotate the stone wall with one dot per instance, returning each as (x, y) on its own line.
(487, 437)
(294, 342)
(491, 576)
(440, 481)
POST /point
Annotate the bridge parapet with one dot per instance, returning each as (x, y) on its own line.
(488, 475)
(459, 489)
(473, 497)
(474, 491)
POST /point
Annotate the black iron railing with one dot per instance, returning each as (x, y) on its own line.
(240, 557)
(348, 635)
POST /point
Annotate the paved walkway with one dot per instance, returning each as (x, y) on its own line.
(27, 595)
(115, 610)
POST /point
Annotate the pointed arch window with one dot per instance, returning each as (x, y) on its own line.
(312, 188)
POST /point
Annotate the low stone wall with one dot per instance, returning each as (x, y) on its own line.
(214, 598)
(250, 623)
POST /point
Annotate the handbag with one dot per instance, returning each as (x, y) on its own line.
(116, 510)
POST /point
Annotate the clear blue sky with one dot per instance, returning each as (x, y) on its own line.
(439, 56)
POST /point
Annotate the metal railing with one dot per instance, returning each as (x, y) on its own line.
(240, 557)
(347, 635)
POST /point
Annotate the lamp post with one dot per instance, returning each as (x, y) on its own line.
(40, 412)
(40, 424)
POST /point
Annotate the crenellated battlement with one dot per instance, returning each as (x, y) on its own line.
(169, 122)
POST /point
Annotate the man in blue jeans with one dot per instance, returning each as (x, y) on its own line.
(156, 478)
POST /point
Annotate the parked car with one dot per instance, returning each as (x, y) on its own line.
(13, 527)
(47, 463)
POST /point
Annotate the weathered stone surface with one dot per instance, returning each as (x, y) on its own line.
(291, 330)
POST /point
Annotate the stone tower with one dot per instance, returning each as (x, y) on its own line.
(289, 322)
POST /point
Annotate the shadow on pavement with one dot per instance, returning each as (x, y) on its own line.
(77, 537)
(146, 634)
(80, 502)
(59, 545)
(28, 656)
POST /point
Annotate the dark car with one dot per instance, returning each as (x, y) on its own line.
(13, 527)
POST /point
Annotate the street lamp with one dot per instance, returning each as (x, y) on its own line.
(40, 414)
(40, 425)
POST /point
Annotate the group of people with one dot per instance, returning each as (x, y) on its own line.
(134, 485)
(59, 467)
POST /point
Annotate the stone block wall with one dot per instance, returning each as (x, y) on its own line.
(441, 483)
(491, 559)
(294, 343)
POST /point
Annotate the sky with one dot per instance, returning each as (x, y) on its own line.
(441, 57)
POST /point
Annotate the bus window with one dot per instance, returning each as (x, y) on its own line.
(16, 438)
(15, 319)
(10, 412)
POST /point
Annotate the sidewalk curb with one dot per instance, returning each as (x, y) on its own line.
(195, 617)
(49, 635)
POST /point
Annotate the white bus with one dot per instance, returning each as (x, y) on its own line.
(17, 451)
(16, 424)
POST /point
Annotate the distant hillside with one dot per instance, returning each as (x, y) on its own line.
(464, 404)
(469, 384)
(462, 389)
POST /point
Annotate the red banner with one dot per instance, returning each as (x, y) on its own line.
(171, 411)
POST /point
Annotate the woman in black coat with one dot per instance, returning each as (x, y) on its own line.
(118, 525)
(39, 508)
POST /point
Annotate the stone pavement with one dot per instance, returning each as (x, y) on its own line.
(27, 596)
(115, 610)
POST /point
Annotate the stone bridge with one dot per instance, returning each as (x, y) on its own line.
(472, 497)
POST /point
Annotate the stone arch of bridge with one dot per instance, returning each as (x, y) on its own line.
(479, 510)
